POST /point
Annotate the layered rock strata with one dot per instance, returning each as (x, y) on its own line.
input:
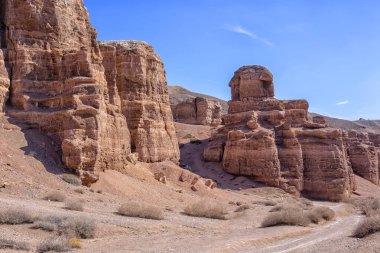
(198, 111)
(139, 75)
(58, 83)
(274, 142)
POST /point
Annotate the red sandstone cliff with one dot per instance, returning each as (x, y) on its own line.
(58, 83)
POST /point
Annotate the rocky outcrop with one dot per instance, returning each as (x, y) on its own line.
(363, 155)
(139, 75)
(274, 141)
(62, 84)
(198, 111)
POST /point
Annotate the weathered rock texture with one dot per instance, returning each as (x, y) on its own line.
(4, 82)
(274, 141)
(198, 111)
(139, 75)
(363, 155)
(58, 83)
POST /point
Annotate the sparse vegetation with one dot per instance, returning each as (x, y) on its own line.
(71, 179)
(265, 203)
(134, 209)
(195, 141)
(368, 226)
(206, 209)
(74, 205)
(78, 227)
(369, 207)
(68, 227)
(44, 225)
(11, 244)
(57, 244)
(79, 190)
(188, 136)
(75, 243)
(14, 216)
(242, 208)
(297, 216)
(55, 196)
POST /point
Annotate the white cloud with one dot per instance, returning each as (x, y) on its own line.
(343, 102)
(252, 35)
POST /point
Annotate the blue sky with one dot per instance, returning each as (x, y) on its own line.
(325, 51)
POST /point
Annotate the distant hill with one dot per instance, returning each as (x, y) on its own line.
(178, 94)
(360, 125)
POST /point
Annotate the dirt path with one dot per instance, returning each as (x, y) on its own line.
(305, 240)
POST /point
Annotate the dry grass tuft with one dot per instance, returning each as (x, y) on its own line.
(368, 226)
(14, 216)
(75, 243)
(55, 196)
(79, 190)
(71, 179)
(74, 205)
(55, 244)
(134, 209)
(369, 207)
(14, 245)
(44, 225)
(78, 227)
(206, 210)
(297, 216)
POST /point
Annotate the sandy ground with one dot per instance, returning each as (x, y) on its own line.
(31, 169)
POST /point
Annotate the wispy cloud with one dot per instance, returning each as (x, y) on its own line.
(343, 102)
(252, 35)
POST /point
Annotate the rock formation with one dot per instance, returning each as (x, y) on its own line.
(363, 156)
(274, 142)
(198, 111)
(58, 83)
(139, 75)
(4, 82)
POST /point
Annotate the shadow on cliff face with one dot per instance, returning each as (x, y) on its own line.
(191, 159)
(41, 147)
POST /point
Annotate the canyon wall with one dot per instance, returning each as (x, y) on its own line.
(198, 111)
(58, 83)
(274, 142)
(140, 78)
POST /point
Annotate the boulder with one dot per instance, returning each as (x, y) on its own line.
(4, 82)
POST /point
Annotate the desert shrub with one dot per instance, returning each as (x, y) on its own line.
(369, 207)
(71, 179)
(74, 205)
(75, 243)
(294, 217)
(79, 190)
(195, 141)
(99, 191)
(11, 244)
(242, 208)
(57, 244)
(205, 209)
(78, 227)
(55, 196)
(188, 136)
(134, 209)
(297, 216)
(15, 216)
(368, 226)
(44, 225)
